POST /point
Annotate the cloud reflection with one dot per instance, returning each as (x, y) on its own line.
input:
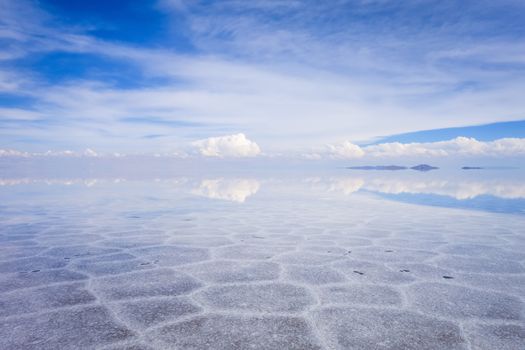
(458, 189)
(235, 190)
(239, 189)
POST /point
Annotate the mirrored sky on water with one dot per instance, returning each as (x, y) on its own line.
(493, 190)
(263, 260)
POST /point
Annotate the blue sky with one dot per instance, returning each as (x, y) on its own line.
(291, 76)
(485, 132)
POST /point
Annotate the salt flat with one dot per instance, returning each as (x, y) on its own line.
(279, 265)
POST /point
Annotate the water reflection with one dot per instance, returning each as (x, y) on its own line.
(347, 185)
(134, 241)
(239, 189)
(458, 189)
(235, 190)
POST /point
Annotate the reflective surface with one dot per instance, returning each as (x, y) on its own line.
(338, 260)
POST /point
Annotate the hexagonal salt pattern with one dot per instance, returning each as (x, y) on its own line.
(150, 269)
(264, 297)
(348, 328)
(77, 328)
(463, 302)
(224, 332)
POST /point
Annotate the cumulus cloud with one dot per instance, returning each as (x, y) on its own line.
(90, 153)
(236, 145)
(460, 146)
(345, 150)
(236, 190)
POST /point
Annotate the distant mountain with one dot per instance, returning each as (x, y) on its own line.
(471, 167)
(420, 167)
(424, 167)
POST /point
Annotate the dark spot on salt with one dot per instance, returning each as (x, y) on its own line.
(145, 263)
(404, 270)
(359, 272)
(448, 277)
(389, 251)
(35, 271)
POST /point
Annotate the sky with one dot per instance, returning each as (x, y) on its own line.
(300, 78)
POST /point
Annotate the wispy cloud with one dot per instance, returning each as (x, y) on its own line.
(290, 74)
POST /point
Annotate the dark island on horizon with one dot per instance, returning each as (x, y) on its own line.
(419, 167)
(471, 168)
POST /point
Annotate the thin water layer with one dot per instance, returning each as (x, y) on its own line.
(257, 263)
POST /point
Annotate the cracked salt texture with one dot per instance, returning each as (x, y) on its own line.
(457, 301)
(158, 282)
(49, 297)
(287, 271)
(223, 332)
(264, 297)
(351, 294)
(313, 274)
(33, 263)
(224, 271)
(65, 329)
(349, 328)
(501, 337)
(149, 312)
(14, 281)
(172, 255)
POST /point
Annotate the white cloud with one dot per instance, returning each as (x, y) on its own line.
(311, 156)
(88, 152)
(236, 190)
(236, 145)
(309, 93)
(13, 153)
(460, 146)
(345, 150)
(395, 149)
